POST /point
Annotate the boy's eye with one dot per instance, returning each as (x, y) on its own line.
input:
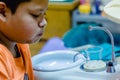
(35, 16)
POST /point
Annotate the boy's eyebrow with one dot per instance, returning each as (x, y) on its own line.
(37, 11)
(44, 9)
(40, 9)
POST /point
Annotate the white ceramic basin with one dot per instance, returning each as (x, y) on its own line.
(57, 60)
(77, 74)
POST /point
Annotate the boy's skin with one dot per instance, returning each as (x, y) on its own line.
(26, 25)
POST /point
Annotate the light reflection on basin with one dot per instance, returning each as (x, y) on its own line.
(57, 60)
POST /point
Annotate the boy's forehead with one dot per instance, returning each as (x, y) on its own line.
(43, 3)
(39, 1)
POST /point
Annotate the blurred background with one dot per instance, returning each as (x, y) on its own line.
(67, 25)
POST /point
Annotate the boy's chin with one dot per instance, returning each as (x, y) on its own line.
(32, 41)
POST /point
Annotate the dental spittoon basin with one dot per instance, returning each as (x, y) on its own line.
(57, 60)
(76, 73)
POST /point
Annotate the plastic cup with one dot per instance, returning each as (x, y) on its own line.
(94, 53)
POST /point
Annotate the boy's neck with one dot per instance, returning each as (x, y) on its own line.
(9, 44)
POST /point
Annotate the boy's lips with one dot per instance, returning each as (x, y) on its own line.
(40, 34)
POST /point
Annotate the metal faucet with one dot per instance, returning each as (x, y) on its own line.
(112, 63)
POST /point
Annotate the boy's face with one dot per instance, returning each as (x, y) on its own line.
(27, 24)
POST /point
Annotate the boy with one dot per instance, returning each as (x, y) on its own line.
(21, 22)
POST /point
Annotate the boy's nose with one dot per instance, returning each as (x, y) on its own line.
(43, 23)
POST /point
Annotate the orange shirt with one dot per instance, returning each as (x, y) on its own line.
(14, 68)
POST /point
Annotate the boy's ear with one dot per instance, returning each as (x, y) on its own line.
(2, 11)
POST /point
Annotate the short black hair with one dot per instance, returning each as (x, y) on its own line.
(13, 4)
